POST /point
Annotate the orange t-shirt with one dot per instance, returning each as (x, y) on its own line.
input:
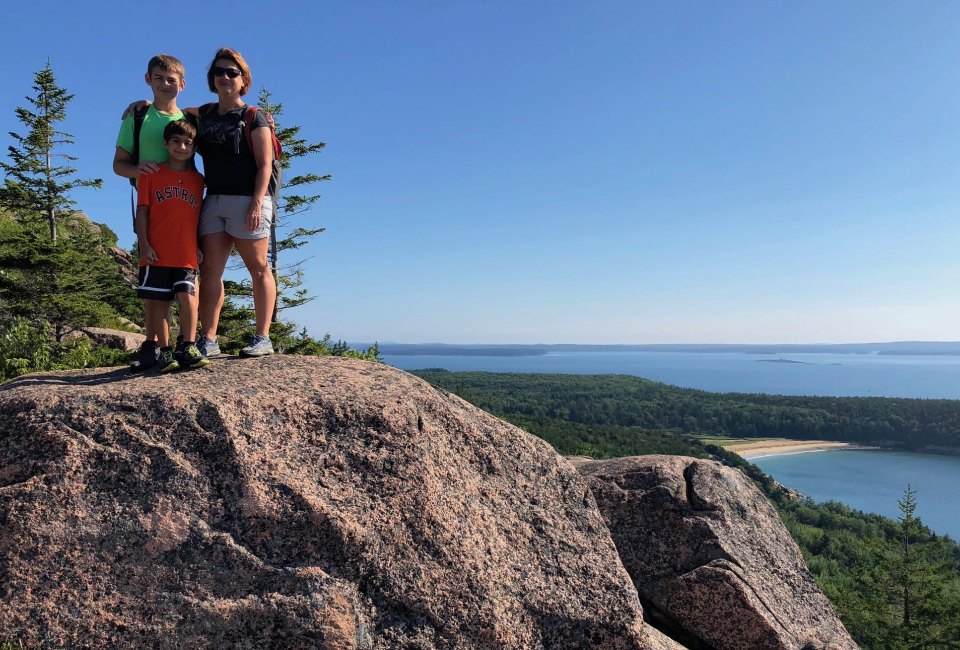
(173, 199)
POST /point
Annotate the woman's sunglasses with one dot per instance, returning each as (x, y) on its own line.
(233, 73)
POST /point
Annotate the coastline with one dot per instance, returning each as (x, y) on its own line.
(781, 447)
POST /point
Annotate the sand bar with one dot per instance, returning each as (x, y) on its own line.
(782, 446)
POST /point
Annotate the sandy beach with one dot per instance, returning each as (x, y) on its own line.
(783, 446)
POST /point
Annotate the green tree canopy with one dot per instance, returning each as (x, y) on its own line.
(56, 271)
(35, 184)
(904, 599)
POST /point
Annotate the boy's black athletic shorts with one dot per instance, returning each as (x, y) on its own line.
(163, 282)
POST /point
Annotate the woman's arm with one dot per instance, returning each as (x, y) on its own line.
(145, 103)
(134, 107)
(263, 154)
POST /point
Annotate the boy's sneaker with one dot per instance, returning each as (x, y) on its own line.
(208, 347)
(189, 357)
(167, 362)
(146, 357)
(260, 347)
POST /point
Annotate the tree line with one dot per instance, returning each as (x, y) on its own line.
(895, 584)
(635, 402)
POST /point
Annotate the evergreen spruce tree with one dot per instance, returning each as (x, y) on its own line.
(903, 601)
(56, 273)
(292, 201)
(35, 184)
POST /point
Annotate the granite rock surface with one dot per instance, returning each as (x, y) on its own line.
(292, 502)
(111, 338)
(713, 563)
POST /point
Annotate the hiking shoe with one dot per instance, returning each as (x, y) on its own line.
(146, 357)
(189, 357)
(260, 347)
(208, 347)
(167, 362)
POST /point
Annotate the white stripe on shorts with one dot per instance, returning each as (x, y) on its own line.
(146, 276)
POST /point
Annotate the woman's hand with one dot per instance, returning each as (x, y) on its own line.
(134, 107)
(253, 215)
(263, 155)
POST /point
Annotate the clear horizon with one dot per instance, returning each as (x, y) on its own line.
(754, 172)
(699, 343)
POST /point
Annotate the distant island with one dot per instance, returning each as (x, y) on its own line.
(443, 350)
(521, 350)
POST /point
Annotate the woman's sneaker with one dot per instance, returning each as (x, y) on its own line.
(189, 357)
(167, 361)
(208, 347)
(260, 347)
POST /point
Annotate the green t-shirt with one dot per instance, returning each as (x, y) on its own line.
(151, 134)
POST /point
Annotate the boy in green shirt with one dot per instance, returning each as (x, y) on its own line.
(165, 76)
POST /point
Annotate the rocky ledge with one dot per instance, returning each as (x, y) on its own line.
(711, 560)
(294, 502)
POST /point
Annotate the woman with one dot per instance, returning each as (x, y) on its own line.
(237, 208)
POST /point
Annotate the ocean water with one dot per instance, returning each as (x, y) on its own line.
(927, 376)
(873, 481)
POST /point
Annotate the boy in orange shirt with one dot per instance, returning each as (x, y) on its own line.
(168, 210)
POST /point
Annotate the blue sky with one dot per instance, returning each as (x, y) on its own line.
(578, 172)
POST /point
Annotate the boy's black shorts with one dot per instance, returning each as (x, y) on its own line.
(163, 282)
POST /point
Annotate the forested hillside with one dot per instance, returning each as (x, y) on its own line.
(895, 584)
(634, 402)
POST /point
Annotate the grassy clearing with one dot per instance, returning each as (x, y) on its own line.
(723, 442)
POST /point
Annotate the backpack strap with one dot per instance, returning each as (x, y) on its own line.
(249, 115)
(138, 115)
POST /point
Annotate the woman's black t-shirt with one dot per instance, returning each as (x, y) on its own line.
(228, 163)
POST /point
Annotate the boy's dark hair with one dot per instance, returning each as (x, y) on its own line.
(179, 127)
(168, 63)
